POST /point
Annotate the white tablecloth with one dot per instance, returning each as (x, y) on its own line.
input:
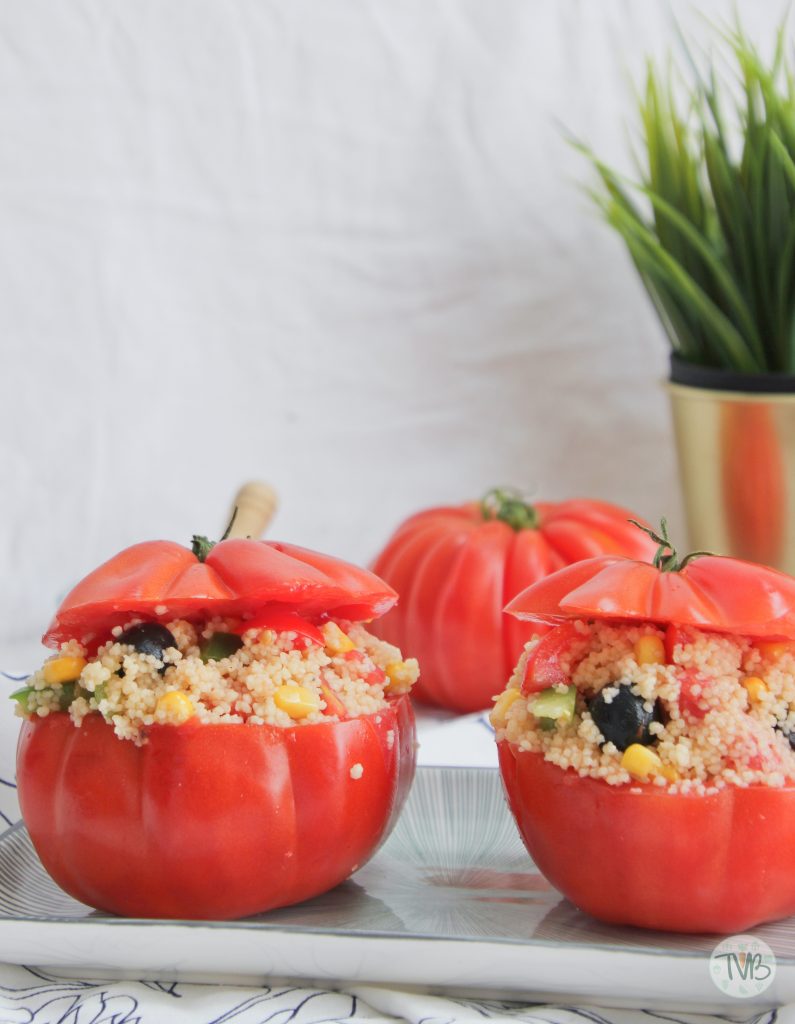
(30, 996)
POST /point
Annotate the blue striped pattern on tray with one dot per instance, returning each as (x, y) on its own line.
(9, 726)
(453, 868)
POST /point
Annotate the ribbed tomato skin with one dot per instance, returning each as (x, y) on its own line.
(711, 592)
(160, 581)
(211, 821)
(455, 571)
(636, 854)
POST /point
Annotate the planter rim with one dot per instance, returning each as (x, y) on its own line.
(712, 378)
(687, 392)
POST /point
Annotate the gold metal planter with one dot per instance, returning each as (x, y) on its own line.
(737, 467)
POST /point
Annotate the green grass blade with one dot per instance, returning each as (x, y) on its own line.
(784, 157)
(715, 247)
(765, 271)
(727, 291)
(785, 301)
(791, 353)
(684, 335)
(729, 343)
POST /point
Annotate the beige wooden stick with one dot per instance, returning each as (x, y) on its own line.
(256, 505)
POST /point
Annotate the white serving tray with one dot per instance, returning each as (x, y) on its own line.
(451, 904)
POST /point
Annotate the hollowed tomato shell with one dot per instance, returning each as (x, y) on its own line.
(639, 855)
(211, 821)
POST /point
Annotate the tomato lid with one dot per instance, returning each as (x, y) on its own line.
(162, 580)
(710, 592)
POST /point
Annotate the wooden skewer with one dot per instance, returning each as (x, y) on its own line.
(256, 505)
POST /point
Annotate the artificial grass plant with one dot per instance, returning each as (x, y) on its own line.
(710, 225)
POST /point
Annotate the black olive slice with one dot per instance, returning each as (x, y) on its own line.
(149, 638)
(624, 719)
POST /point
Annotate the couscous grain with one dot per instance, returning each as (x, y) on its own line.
(720, 712)
(259, 677)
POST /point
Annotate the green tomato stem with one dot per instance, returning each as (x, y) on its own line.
(509, 507)
(201, 546)
(666, 558)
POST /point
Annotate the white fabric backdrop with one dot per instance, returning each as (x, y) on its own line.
(338, 244)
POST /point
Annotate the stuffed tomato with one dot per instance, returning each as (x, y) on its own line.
(217, 733)
(646, 741)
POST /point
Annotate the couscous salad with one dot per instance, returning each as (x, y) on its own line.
(217, 732)
(646, 739)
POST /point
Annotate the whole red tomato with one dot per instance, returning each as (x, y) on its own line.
(455, 568)
(213, 821)
(637, 854)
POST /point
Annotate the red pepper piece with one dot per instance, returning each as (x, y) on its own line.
(543, 667)
(673, 635)
(334, 705)
(688, 701)
(283, 621)
(376, 677)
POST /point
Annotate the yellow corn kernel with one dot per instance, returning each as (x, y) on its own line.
(756, 688)
(501, 705)
(641, 762)
(399, 676)
(63, 670)
(395, 670)
(669, 773)
(177, 706)
(650, 650)
(773, 648)
(297, 701)
(335, 641)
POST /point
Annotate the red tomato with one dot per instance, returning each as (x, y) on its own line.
(637, 855)
(334, 705)
(673, 636)
(282, 620)
(456, 567)
(231, 578)
(211, 821)
(724, 595)
(690, 702)
(543, 668)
